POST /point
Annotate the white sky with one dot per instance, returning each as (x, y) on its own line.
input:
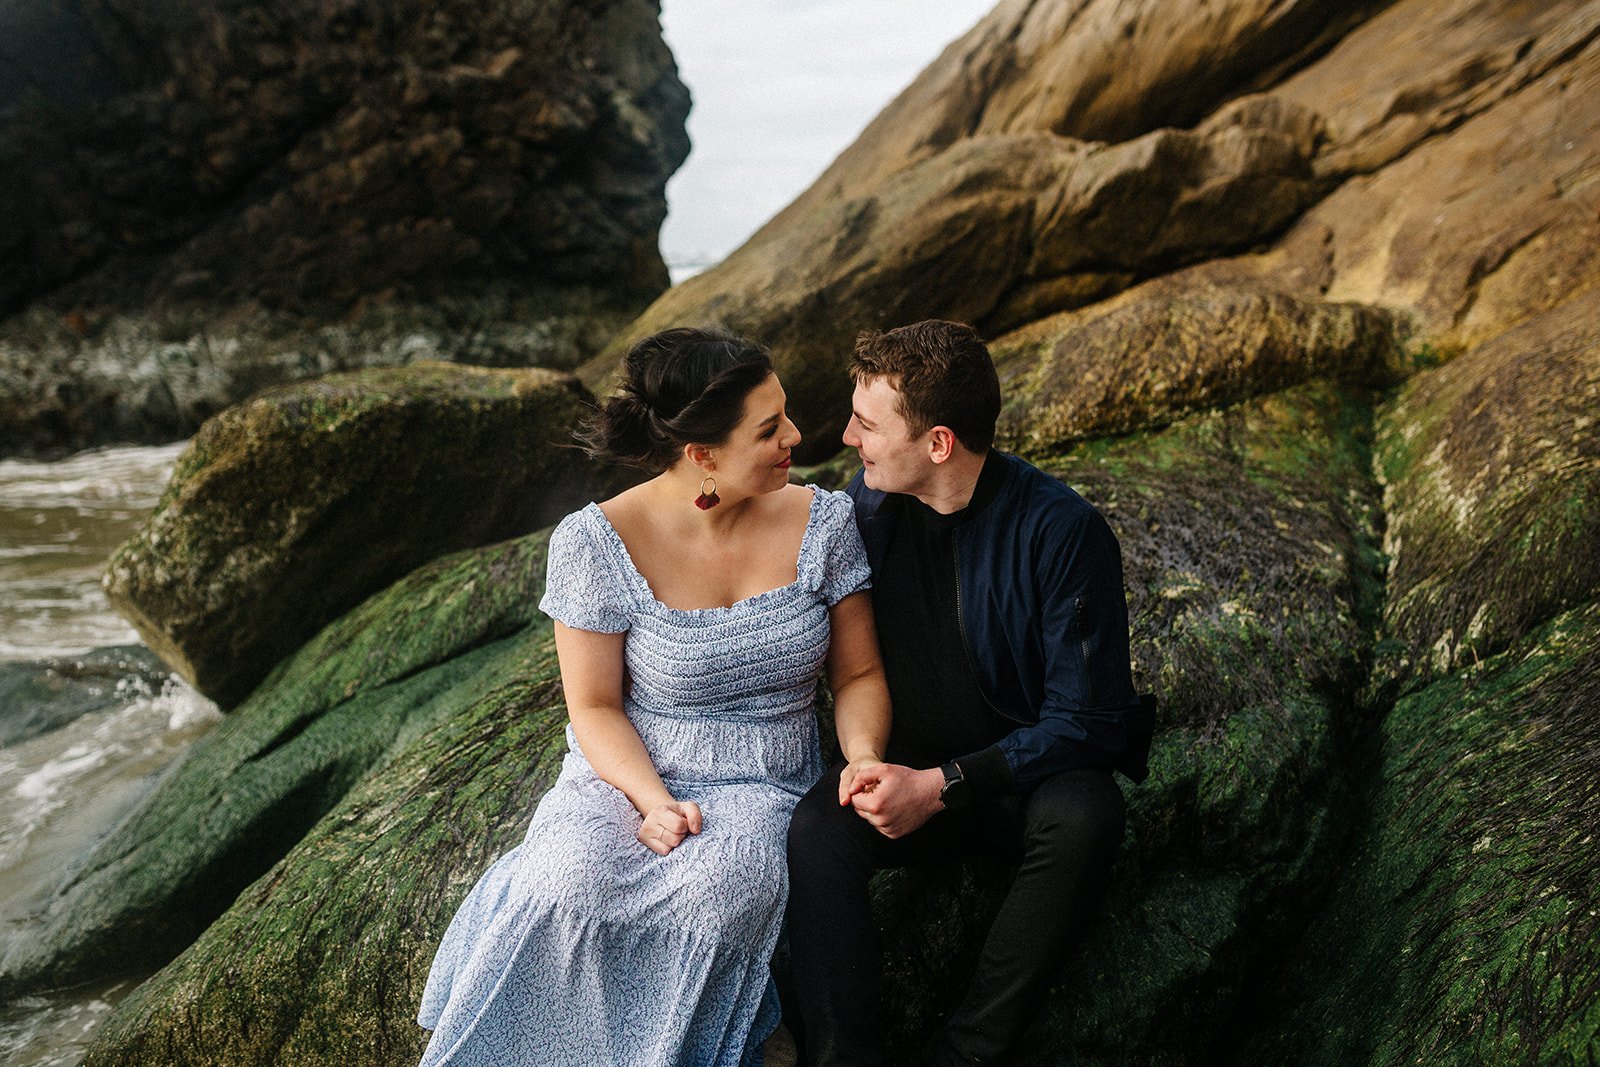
(780, 88)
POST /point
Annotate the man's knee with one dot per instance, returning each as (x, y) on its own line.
(1076, 814)
(816, 829)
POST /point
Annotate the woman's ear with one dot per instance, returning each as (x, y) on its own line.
(700, 456)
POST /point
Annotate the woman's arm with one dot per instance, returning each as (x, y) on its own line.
(591, 677)
(860, 693)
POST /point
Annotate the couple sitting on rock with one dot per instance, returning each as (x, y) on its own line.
(693, 813)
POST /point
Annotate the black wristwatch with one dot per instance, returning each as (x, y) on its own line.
(956, 793)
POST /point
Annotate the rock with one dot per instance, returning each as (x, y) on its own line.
(36, 698)
(1491, 466)
(1102, 70)
(288, 510)
(323, 959)
(427, 149)
(209, 205)
(1176, 345)
(1464, 929)
(153, 376)
(1418, 69)
(976, 231)
(262, 779)
(1474, 231)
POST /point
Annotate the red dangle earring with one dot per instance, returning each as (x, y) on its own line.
(706, 501)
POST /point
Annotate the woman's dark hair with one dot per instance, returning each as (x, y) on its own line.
(682, 386)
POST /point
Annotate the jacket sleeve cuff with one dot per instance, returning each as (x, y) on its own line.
(987, 772)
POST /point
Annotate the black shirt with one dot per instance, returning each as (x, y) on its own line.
(940, 712)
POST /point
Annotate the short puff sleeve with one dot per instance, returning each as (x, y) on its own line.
(583, 585)
(838, 564)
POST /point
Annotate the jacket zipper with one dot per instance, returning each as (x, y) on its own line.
(1083, 647)
(966, 646)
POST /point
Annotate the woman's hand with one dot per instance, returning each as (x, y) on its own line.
(848, 785)
(666, 825)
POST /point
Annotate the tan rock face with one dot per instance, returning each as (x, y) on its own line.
(989, 230)
(288, 510)
(1096, 70)
(1500, 211)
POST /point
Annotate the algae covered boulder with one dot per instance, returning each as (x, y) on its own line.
(1492, 465)
(288, 510)
(323, 960)
(1464, 928)
(261, 779)
(1176, 345)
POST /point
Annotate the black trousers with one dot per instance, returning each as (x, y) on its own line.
(1063, 837)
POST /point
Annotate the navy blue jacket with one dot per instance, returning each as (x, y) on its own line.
(1045, 618)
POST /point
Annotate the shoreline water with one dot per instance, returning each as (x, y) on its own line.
(89, 720)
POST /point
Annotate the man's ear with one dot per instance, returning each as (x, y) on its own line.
(700, 456)
(941, 443)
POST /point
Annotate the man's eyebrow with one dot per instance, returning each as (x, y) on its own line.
(862, 419)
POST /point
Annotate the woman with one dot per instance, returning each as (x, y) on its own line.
(693, 617)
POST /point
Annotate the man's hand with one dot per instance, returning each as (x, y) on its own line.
(849, 786)
(896, 799)
(666, 825)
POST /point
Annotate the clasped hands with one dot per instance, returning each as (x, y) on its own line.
(893, 798)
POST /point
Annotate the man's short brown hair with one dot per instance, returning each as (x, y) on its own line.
(943, 373)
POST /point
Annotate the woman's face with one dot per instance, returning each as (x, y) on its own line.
(755, 458)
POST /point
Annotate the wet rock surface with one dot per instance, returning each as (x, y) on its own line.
(345, 702)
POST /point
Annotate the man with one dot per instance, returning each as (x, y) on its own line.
(1003, 626)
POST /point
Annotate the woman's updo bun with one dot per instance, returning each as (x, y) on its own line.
(679, 387)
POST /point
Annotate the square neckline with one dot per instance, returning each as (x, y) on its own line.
(642, 583)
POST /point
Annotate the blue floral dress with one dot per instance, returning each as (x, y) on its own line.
(582, 946)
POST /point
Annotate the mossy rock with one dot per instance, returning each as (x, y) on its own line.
(258, 782)
(290, 509)
(323, 960)
(1248, 540)
(1464, 926)
(1175, 346)
(1491, 465)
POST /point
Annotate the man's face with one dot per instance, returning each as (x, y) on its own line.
(894, 461)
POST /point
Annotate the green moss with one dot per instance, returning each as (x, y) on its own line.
(255, 784)
(1465, 927)
(1492, 474)
(323, 959)
(292, 508)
